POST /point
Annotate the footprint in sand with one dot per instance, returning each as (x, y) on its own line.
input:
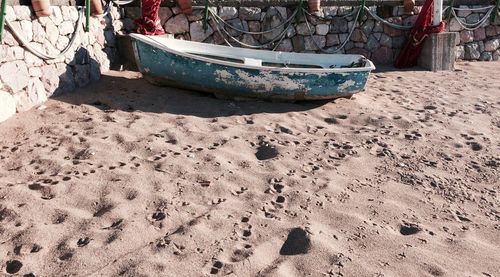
(297, 242)
(407, 229)
(13, 266)
(266, 151)
(83, 241)
(216, 267)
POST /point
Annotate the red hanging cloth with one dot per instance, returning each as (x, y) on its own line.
(150, 24)
(422, 28)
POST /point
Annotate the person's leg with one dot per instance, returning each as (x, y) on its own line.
(150, 24)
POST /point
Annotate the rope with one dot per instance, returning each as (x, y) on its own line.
(331, 17)
(471, 9)
(273, 41)
(44, 56)
(343, 43)
(472, 26)
(390, 24)
(254, 33)
(122, 2)
(447, 11)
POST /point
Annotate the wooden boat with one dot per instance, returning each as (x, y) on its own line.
(247, 73)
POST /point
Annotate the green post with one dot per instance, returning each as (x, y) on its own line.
(87, 16)
(2, 18)
(495, 12)
(205, 17)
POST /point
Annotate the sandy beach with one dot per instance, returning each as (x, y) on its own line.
(123, 178)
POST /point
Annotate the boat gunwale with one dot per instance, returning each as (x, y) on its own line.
(151, 41)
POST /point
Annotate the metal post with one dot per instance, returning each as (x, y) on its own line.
(438, 12)
(3, 9)
(87, 15)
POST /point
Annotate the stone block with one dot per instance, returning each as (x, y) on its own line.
(56, 15)
(17, 52)
(285, 46)
(486, 56)
(459, 52)
(338, 25)
(496, 55)
(322, 29)
(463, 13)
(238, 24)
(195, 15)
(250, 13)
(227, 13)
(303, 30)
(492, 45)
(479, 34)
(490, 31)
(32, 60)
(36, 94)
(438, 52)
(52, 32)
(272, 21)
(298, 43)
(332, 40)
(383, 55)
(10, 15)
(392, 32)
(359, 51)
(50, 78)
(66, 28)
(35, 72)
(330, 12)
(14, 76)
(472, 51)
(385, 40)
(7, 105)
(8, 39)
(290, 32)
(177, 25)
(473, 18)
(6, 54)
(359, 36)
(22, 12)
(27, 30)
(466, 36)
(372, 43)
(454, 26)
(314, 43)
(249, 39)
(165, 14)
(197, 33)
(38, 32)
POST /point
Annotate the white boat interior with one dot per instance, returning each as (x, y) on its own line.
(260, 59)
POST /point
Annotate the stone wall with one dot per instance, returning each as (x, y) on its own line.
(373, 39)
(27, 81)
(481, 44)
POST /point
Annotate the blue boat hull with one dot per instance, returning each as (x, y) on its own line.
(170, 69)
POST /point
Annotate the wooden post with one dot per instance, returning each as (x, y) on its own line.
(438, 12)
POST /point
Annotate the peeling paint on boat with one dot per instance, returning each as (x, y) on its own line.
(242, 81)
(346, 85)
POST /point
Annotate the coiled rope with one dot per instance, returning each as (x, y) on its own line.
(342, 45)
(476, 25)
(275, 42)
(40, 54)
